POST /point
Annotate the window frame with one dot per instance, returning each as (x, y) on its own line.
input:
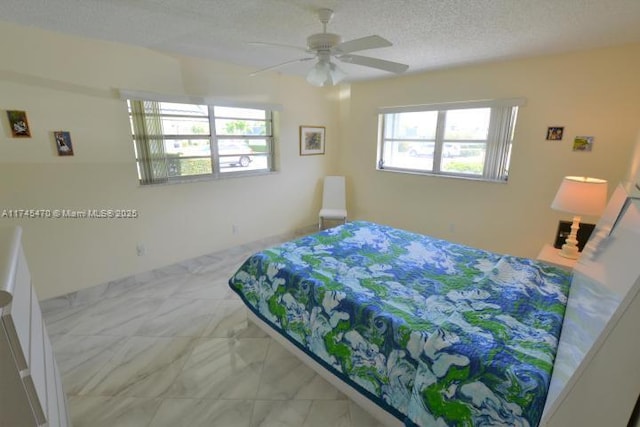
(270, 120)
(498, 144)
(269, 139)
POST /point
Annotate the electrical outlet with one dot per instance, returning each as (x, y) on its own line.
(234, 229)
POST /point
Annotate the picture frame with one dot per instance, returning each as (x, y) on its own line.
(554, 133)
(63, 143)
(583, 143)
(19, 124)
(312, 140)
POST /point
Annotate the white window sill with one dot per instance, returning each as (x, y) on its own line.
(206, 178)
(441, 175)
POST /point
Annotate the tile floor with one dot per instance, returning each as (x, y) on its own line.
(173, 347)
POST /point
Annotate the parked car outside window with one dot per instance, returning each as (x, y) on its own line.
(235, 154)
(422, 149)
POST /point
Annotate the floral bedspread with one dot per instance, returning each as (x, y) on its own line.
(436, 333)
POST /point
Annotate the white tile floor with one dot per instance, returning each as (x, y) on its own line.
(174, 348)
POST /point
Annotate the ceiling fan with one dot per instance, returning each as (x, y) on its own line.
(324, 46)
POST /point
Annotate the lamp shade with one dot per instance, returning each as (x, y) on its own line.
(581, 196)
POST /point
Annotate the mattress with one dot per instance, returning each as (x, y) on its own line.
(435, 333)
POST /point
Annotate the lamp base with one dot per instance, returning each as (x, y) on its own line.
(568, 251)
(570, 247)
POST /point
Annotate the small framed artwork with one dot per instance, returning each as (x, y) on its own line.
(19, 124)
(583, 143)
(63, 143)
(311, 140)
(555, 133)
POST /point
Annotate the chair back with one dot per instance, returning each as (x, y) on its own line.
(333, 194)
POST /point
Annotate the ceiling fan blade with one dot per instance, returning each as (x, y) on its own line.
(381, 64)
(286, 46)
(364, 43)
(273, 67)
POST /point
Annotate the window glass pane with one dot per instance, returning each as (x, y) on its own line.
(468, 124)
(185, 167)
(240, 113)
(391, 153)
(187, 147)
(451, 149)
(234, 146)
(412, 125)
(467, 159)
(419, 149)
(235, 153)
(185, 126)
(261, 145)
(184, 109)
(409, 155)
(242, 127)
(256, 161)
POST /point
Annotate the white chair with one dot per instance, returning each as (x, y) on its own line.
(334, 203)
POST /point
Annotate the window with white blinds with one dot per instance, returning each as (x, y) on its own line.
(469, 139)
(176, 141)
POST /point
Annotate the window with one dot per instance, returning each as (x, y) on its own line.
(471, 139)
(179, 141)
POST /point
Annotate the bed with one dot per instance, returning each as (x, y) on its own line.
(425, 332)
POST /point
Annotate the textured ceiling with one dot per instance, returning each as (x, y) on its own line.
(426, 34)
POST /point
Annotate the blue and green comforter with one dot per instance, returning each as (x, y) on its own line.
(438, 334)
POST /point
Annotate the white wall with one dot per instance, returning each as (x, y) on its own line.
(590, 93)
(69, 83)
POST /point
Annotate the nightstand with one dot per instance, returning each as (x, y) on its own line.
(550, 255)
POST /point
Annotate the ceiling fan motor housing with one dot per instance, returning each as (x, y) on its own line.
(323, 41)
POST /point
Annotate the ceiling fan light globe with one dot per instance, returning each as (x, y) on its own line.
(317, 75)
(337, 75)
(325, 74)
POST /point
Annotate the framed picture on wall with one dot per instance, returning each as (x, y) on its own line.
(554, 133)
(19, 124)
(311, 140)
(583, 143)
(63, 143)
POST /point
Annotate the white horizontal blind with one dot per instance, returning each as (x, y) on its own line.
(148, 142)
(503, 120)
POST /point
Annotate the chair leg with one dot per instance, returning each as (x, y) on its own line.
(319, 223)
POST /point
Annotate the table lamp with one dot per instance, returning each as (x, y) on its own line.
(580, 196)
